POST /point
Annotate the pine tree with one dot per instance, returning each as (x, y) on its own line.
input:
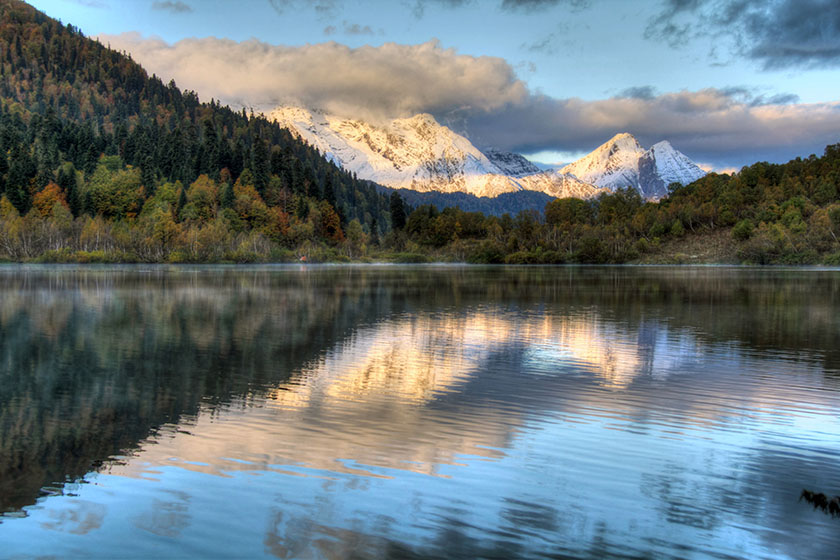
(227, 197)
(261, 165)
(374, 232)
(329, 190)
(397, 211)
(182, 201)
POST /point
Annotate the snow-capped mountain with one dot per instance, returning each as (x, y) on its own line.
(623, 162)
(420, 154)
(662, 165)
(415, 153)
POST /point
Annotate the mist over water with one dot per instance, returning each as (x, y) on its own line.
(418, 411)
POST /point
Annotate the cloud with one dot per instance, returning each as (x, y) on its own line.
(371, 82)
(419, 6)
(777, 34)
(533, 5)
(553, 42)
(638, 92)
(708, 125)
(176, 7)
(485, 99)
(325, 9)
(754, 97)
(350, 29)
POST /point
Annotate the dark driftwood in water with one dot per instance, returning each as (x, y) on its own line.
(822, 502)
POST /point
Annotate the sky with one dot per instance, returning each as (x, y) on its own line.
(727, 82)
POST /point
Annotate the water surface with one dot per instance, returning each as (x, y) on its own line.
(418, 411)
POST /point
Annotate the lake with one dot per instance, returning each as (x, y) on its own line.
(418, 411)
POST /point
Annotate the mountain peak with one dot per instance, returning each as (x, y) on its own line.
(414, 153)
(623, 162)
(424, 118)
(622, 141)
(663, 147)
(621, 136)
(420, 154)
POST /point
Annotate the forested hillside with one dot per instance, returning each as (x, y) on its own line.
(765, 214)
(98, 157)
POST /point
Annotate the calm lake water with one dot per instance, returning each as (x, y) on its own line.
(418, 412)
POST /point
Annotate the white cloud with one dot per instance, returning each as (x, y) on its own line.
(386, 81)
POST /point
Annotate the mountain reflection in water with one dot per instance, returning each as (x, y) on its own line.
(418, 411)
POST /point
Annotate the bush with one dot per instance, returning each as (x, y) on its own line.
(488, 252)
(743, 230)
(642, 246)
(592, 251)
(832, 260)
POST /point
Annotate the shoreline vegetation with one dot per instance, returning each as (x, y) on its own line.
(102, 163)
(193, 224)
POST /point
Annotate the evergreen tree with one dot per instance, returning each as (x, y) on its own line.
(261, 165)
(182, 201)
(227, 196)
(374, 233)
(397, 211)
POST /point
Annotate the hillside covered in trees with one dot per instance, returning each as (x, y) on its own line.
(765, 214)
(101, 162)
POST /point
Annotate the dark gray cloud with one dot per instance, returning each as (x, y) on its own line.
(559, 40)
(638, 92)
(553, 43)
(775, 33)
(176, 7)
(533, 5)
(325, 9)
(744, 95)
(357, 29)
(348, 28)
(547, 45)
(418, 7)
(724, 128)
(483, 95)
(756, 97)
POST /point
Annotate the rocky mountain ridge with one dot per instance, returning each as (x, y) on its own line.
(622, 162)
(419, 154)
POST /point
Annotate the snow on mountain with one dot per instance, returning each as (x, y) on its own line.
(663, 165)
(623, 162)
(419, 154)
(512, 165)
(414, 153)
(612, 165)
